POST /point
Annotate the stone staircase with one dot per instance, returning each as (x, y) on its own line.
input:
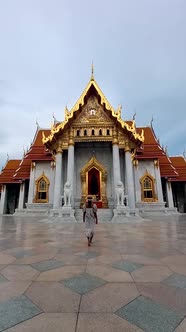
(104, 215)
(34, 209)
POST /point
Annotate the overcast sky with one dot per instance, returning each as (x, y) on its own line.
(46, 49)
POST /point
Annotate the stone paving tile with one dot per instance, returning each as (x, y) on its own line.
(89, 254)
(53, 297)
(47, 265)
(174, 260)
(6, 259)
(158, 244)
(109, 297)
(3, 279)
(12, 289)
(16, 310)
(179, 269)
(2, 266)
(20, 253)
(72, 259)
(176, 280)
(126, 266)
(61, 273)
(83, 283)
(63, 322)
(109, 273)
(151, 274)
(141, 259)
(171, 297)
(35, 259)
(104, 259)
(181, 327)
(88, 322)
(19, 273)
(150, 316)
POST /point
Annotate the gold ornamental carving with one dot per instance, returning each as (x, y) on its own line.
(114, 114)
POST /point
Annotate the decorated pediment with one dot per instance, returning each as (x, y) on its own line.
(93, 107)
(92, 113)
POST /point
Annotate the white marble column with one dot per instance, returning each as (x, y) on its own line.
(158, 182)
(116, 162)
(129, 177)
(58, 175)
(3, 200)
(21, 195)
(70, 167)
(137, 187)
(116, 165)
(31, 183)
(169, 194)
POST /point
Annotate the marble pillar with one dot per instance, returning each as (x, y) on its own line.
(169, 194)
(3, 199)
(31, 183)
(58, 175)
(129, 177)
(21, 195)
(158, 182)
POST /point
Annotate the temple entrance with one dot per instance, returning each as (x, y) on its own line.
(94, 183)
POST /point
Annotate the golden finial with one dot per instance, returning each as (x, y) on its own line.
(184, 153)
(24, 152)
(37, 124)
(54, 118)
(151, 121)
(134, 116)
(92, 75)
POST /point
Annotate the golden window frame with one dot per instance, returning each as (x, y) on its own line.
(39, 190)
(148, 185)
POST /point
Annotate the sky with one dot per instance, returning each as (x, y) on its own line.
(138, 48)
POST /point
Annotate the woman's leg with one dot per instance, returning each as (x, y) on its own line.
(91, 237)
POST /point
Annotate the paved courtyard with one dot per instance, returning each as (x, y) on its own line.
(132, 278)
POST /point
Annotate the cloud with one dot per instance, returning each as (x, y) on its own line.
(47, 48)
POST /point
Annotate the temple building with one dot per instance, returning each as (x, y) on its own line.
(95, 154)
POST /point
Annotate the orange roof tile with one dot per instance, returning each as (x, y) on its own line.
(179, 163)
(37, 151)
(8, 171)
(23, 171)
(151, 149)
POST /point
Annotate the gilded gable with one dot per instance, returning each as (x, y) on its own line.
(92, 113)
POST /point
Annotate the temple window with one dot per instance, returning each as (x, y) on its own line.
(42, 187)
(78, 132)
(108, 132)
(93, 133)
(100, 132)
(147, 188)
(92, 111)
(85, 132)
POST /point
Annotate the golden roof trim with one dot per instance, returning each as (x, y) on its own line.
(115, 113)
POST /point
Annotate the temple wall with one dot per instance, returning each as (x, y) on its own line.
(139, 171)
(48, 172)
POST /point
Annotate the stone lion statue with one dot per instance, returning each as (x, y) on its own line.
(67, 194)
(120, 193)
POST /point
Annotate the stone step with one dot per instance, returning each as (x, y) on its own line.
(104, 215)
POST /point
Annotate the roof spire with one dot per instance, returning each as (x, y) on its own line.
(37, 124)
(184, 153)
(151, 121)
(92, 75)
(134, 116)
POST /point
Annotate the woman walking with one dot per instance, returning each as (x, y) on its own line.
(90, 219)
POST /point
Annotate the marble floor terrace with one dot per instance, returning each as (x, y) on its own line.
(132, 278)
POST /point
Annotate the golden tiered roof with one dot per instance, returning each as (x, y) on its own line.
(116, 114)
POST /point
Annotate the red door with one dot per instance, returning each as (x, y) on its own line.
(94, 183)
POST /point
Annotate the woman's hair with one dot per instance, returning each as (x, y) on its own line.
(89, 203)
